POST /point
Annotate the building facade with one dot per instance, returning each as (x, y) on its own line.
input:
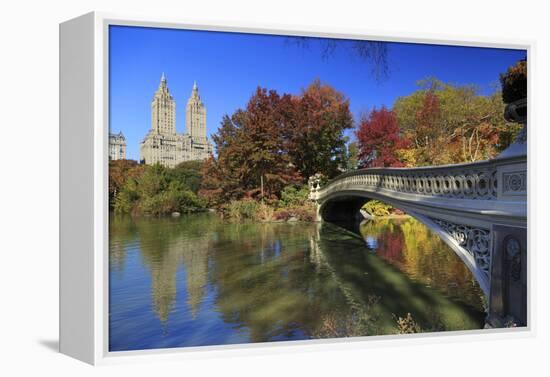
(117, 146)
(163, 144)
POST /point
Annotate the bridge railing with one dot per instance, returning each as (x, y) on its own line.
(484, 180)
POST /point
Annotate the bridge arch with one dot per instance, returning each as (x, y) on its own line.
(472, 207)
(345, 206)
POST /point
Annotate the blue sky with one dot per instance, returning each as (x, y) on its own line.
(228, 67)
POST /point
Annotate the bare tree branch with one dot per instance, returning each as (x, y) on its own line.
(373, 53)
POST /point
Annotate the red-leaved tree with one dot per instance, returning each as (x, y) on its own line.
(252, 158)
(315, 134)
(380, 139)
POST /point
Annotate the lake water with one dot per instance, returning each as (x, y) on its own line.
(197, 280)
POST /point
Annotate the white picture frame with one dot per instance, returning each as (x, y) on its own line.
(84, 129)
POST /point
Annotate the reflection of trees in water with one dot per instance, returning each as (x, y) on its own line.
(122, 233)
(389, 238)
(265, 282)
(166, 244)
(368, 276)
(287, 281)
(274, 280)
(413, 248)
(117, 256)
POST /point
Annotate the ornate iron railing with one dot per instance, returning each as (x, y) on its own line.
(477, 180)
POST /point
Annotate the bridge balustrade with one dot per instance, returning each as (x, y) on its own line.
(479, 209)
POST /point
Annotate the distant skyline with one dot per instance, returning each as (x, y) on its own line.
(228, 67)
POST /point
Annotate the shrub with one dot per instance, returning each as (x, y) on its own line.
(303, 213)
(265, 212)
(186, 201)
(294, 196)
(377, 208)
(282, 214)
(245, 209)
(157, 204)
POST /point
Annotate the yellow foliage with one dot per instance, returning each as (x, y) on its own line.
(407, 156)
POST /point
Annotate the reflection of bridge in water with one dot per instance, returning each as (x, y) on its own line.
(478, 209)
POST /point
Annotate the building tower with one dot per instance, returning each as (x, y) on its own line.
(162, 144)
(195, 116)
(163, 110)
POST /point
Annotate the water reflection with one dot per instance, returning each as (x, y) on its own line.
(199, 281)
(423, 256)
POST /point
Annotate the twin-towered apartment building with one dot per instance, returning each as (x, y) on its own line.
(163, 144)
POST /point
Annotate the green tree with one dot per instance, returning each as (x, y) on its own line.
(157, 191)
(352, 155)
(189, 173)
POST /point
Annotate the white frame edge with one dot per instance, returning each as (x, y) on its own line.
(76, 178)
(84, 96)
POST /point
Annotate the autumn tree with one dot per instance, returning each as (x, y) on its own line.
(277, 140)
(253, 158)
(315, 131)
(220, 182)
(428, 132)
(470, 126)
(119, 172)
(379, 140)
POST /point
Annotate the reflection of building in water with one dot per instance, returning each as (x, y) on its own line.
(195, 259)
(163, 284)
(193, 253)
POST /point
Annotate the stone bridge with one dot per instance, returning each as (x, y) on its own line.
(478, 209)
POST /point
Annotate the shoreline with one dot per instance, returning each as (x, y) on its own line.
(217, 213)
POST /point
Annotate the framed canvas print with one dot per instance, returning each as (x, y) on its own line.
(224, 186)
